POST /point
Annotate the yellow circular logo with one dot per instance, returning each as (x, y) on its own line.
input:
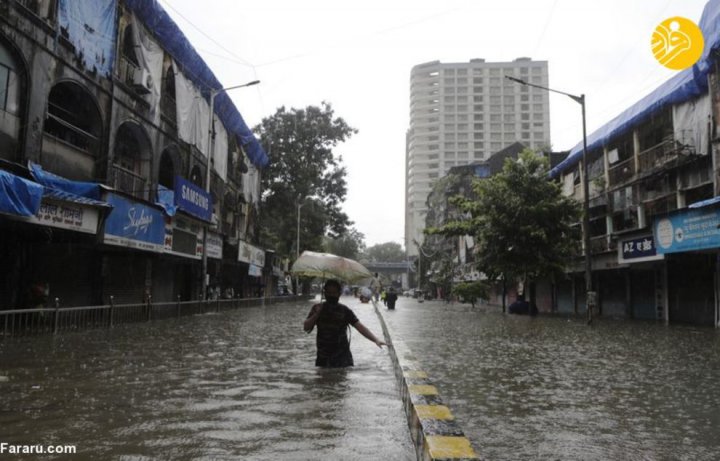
(677, 43)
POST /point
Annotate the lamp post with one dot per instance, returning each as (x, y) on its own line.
(297, 248)
(589, 294)
(211, 132)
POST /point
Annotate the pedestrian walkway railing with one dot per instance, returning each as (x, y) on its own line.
(57, 319)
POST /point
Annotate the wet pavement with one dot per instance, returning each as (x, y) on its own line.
(554, 388)
(238, 384)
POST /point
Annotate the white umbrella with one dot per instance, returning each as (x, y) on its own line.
(329, 266)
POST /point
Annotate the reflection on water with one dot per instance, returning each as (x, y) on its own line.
(229, 385)
(553, 388)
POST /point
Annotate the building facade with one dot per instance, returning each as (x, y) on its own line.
(105, 142)
(463, 112)
(654, 219)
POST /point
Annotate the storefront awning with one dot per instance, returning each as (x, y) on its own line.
(19, 196)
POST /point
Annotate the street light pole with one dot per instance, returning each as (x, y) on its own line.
(213, 94)
(297, 248)
(589, 294)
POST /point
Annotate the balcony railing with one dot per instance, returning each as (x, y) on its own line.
(622, 172)
(659, 155)
(128, 181)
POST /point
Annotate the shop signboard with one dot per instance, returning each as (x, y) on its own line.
(638, 249)
(134, 225)
(251, 254)
(66, 215)
(254, 271)
(688, 230)
(214, 246)
(183, 237)
(192, 199)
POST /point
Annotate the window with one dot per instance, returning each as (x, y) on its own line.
(449, 81)
(462, 136)
(462, 145)
(524, 98)
(494, 71)
(477, 71)
(462, 81)
(9, 83)
(523, 71)
(509, 117)
(495, 136)
(449, 117)
(450, 72)
(524, 116)
(462, 90)
(537, 98)
(462, 108)
(449, 99)
(496, 146)
(537, 116)
(477, 99)
(168, 106)
(508, 108)
(509, 100)
(432, 175)
(449, 127)
(495, 108)
(462, 72)
(478, 127)
(450, 136)
(477, 89)
(449, 108)
(450, 90)
(537, 70)
(449, 145)
(495, 117)
(495, 99)
(524, 106)
(462, 127)
(537, 107)
(509, 127)
(73, 117)
(462, 117)
(525, 126)
(479, 117)
(526, 135)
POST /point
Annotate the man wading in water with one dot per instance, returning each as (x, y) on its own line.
(332, 319)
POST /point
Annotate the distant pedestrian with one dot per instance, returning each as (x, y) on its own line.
(391, 299)
(332, 320)
(383, 296)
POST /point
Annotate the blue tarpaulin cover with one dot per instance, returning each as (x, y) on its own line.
(19, 196)
(90, 27)
(686, 85)
(166, 200)
(177, 45)
(84, 189)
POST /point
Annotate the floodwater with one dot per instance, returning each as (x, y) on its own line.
(239, 384)
(555, 388)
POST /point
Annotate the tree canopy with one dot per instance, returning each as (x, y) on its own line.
(387, 252)
(304, 171)
(521, 221)
(349, 245)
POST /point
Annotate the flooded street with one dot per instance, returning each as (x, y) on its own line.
(239, 384)
(554, 388)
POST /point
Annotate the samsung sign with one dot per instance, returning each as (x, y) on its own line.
(192, 199)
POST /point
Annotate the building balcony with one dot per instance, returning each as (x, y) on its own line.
(622, 172)
(659, 156)
(128, 181)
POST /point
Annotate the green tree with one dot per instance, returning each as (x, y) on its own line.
(470, 292)
(388, 252)
(349, 245)
(304, 170)
(521, 221)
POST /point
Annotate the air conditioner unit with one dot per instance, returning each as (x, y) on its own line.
(142, 81)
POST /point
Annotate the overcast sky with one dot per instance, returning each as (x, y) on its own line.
(358, 56)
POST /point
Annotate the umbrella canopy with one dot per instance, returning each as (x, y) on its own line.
(326, 265)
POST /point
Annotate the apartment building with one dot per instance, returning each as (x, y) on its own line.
(461, 113)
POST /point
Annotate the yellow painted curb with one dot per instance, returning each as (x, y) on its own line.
(440, 446)
(415, 374)
(434, 412)
(422, 389)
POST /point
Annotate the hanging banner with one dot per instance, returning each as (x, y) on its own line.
(134, 225)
